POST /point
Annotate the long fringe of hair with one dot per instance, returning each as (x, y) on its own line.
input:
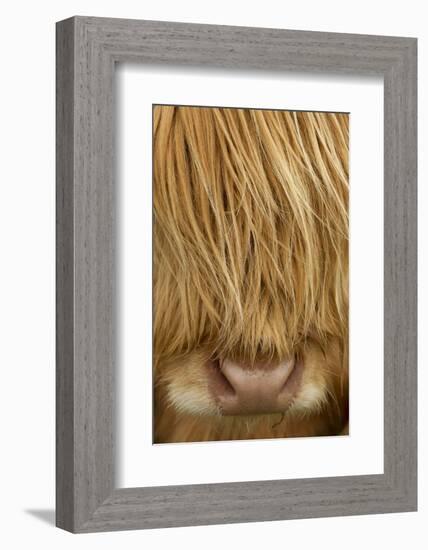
(250, 230)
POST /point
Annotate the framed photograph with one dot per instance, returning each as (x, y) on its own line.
(236, 274)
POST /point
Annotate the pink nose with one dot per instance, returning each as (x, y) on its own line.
(257, 389)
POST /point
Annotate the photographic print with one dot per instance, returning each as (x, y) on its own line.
(250, 290)
(231, 331)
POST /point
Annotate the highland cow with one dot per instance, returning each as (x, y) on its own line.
(250, 290)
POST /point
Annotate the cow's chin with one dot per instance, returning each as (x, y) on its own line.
(187, 408)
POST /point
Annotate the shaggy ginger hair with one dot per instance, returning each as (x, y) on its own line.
(250, 263)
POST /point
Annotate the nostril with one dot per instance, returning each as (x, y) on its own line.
(218, 381)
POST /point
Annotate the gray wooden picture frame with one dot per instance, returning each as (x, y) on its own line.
(87, 51)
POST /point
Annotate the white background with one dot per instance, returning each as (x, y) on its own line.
(27, 272)
(137, 88)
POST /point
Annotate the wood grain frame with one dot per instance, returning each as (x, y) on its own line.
(87, 51)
